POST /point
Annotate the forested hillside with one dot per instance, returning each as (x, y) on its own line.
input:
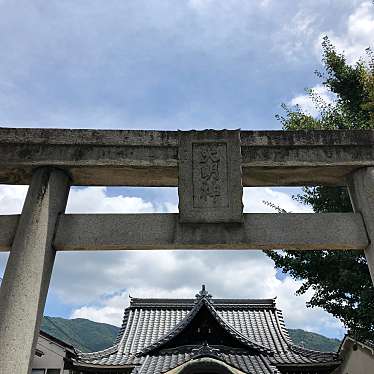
(86, 335)
(313, 341)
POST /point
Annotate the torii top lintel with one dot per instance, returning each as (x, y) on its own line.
(150, 158)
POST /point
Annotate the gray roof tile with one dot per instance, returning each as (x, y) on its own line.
(257, 323)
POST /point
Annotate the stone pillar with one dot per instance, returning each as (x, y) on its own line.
(25, 285)
(361, 191)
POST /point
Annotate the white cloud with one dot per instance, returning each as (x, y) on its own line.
(294, 37)
(247, 274)
(254, 198)
(358, 35)
(98, 200)
(111, 310)
(12, 198)
(111, 314)
(306, 103)
(95, 200)
(85, 200)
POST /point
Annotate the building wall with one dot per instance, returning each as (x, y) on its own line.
(360, 361)
(53, 357)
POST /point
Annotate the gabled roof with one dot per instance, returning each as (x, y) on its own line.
(151, 326)
(184, 323)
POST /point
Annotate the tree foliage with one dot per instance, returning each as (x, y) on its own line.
(340, 279)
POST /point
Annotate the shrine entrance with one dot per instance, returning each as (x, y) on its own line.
(206, 371)
(207, 367)
(210, 169)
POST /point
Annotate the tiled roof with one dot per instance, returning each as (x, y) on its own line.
(148, 324)
(185, 322)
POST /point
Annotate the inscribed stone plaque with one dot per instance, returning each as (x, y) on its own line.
(210, 188)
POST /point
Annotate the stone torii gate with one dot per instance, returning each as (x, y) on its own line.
(210, 169)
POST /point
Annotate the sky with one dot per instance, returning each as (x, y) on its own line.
(168, 65)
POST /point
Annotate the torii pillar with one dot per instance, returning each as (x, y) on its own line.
(28, 272)
(361, 192)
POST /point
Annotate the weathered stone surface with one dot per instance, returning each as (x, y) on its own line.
(163, 231)
(8, 228)
(361, 191)
(210, 187)
(25, 285)
(150, 158)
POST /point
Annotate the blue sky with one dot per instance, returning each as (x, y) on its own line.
(160, 64)
(166, 64)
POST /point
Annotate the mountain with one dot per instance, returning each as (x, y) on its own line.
(89, 336)
(86, 335)
(313, 341)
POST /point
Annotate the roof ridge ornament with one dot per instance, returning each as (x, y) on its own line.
(205, 350)
(203, 294)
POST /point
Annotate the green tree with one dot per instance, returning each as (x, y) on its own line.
(340, 279)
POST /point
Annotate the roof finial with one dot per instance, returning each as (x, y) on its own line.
(203, 294)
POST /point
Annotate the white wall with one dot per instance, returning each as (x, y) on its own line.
(53, 357)
(360, 361)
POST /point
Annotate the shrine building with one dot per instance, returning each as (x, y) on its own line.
(204, 335)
